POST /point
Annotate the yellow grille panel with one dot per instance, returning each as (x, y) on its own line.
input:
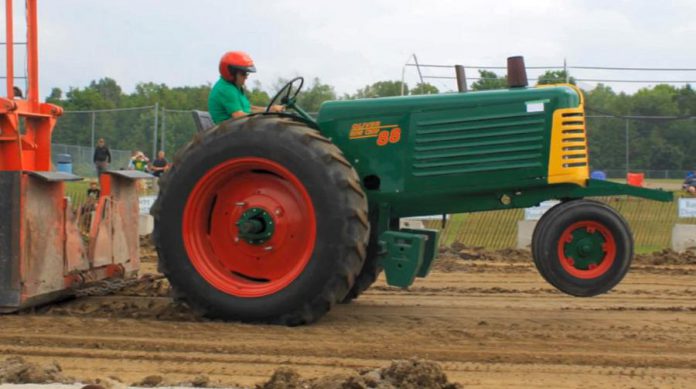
(569, 159)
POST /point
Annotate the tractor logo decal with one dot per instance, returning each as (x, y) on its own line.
(385, 134)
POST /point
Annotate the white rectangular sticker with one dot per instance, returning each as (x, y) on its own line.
(535, 106)
(687, 207)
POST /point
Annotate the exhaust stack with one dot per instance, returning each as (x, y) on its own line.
(516, 72)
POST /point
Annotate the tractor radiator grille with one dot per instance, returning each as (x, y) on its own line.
(568, 161)
(477, 144)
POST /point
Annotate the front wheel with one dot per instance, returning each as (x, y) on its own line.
(584, 250)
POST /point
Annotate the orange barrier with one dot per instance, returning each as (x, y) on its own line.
(635, 179)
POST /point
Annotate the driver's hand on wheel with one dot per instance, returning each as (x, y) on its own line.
(277, 108)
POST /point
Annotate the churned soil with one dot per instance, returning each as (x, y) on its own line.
(481, 319)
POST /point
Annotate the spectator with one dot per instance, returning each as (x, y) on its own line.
(93, 191)
(159, 165)
(102, 157)
(89, 206)
(138, 162)
(690, 184)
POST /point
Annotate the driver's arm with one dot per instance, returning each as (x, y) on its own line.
(274, 108)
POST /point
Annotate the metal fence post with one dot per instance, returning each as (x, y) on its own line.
(461, 78)
(627, 150)
(164, 126)
(94, 119)
(154, 132)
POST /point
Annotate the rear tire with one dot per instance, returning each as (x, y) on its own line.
(261, 219)
(583, 248)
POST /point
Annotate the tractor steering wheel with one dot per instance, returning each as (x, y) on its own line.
(285, 95)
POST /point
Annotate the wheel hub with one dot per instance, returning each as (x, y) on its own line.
(586, 248)
(256, 226)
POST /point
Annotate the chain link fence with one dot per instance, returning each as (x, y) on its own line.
(619, 145)
(650, 221)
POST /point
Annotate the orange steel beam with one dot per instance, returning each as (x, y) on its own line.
(9, 49)
(32, 53)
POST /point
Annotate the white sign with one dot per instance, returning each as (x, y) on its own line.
(687, 207)
(145, 203)
(535, 213)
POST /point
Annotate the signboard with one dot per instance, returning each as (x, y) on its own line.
(535, 213)
(145, 203)
(687, 207)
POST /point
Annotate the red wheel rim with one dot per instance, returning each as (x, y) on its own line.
(587, 249)
(211, 235)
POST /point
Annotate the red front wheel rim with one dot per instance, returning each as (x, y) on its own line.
(220, 203)
(587, 249)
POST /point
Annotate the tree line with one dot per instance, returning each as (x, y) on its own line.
(667, 142)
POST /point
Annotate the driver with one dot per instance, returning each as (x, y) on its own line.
(227, 98)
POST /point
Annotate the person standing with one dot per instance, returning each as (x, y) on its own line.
(102, 157)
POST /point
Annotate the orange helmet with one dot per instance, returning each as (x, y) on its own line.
(235, 60)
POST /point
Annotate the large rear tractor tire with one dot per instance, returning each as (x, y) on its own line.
(583, 248)
(261, 219)
(368, 275)
(372, 267)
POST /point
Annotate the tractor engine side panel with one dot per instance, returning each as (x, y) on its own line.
(426, 154)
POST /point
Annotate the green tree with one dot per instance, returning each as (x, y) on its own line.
(258, 96)
(423, 88)
(311, 98)
(489, 80)
(381, 89)
(555, 77)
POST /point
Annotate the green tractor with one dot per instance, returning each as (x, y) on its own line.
(275, 218)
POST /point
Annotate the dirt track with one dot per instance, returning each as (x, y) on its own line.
(488, 323)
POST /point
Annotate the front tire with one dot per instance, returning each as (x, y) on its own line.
(261, 220)
(583, 248)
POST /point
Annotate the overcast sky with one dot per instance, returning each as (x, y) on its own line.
(350, 44)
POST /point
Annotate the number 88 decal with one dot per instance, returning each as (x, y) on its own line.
(389, 136)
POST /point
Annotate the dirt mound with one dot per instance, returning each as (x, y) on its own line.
(458, 249)
(149, 286)
(451, 256)
(16, 370)
(667, 257)
(117, 306)
(154, 381)
(409, 374)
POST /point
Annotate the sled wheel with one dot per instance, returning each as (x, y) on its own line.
(261, 219)
(583, 248)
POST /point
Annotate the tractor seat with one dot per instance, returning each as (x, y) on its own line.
(203, 120)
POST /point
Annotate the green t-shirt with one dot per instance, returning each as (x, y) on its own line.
(140, 165)
(224, 99)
